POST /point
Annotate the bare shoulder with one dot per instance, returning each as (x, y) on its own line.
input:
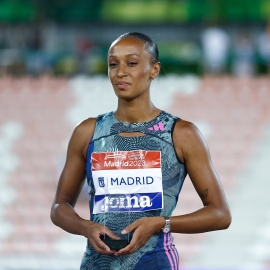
(85, 127)
(187, 138)
(186, 131)
(82, 134)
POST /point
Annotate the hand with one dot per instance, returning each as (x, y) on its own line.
(144, 228)
(93, 233)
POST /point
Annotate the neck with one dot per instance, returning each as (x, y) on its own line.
(135, 111)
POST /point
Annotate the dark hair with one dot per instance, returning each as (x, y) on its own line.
(150, 45)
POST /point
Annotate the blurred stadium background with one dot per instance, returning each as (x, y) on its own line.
(215, 57)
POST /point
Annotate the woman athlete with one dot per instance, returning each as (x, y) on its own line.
(145, 154)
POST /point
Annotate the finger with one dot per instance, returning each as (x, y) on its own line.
(111, 234)
(99, 243)
(100, 248)
(131, 247)
(127, 250)
(131, 227)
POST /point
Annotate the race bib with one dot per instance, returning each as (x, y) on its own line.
(127, 181)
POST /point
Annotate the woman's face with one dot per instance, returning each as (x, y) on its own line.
(130, 68)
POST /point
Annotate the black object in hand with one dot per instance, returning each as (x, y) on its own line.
(114, 244)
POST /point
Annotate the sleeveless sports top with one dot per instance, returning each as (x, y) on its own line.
(159, 252)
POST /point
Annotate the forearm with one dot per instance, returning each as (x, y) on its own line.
(204, 220)
(64, 216)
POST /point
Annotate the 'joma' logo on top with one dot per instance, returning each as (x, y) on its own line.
(125, 202)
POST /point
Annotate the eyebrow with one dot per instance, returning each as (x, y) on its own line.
(127, 55)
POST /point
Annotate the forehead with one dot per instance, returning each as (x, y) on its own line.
(127, 46)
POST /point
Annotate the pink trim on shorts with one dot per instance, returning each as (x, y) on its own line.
(173, 251)
(167, 252)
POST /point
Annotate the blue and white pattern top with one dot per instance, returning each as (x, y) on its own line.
(159, 252)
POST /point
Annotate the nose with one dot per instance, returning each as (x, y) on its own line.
(121, 71)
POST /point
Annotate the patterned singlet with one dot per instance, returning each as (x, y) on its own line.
(159, 252)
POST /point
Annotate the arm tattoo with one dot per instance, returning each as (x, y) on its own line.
(204, 194)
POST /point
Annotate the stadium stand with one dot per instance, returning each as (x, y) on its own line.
(37, 116)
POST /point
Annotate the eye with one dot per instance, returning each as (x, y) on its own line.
(132, 63)
(112, 64)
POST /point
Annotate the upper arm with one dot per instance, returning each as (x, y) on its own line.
(73, 175)
(191, 149)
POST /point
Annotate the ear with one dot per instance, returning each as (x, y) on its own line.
(155, 70)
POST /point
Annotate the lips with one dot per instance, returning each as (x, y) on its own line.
(122, 84)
